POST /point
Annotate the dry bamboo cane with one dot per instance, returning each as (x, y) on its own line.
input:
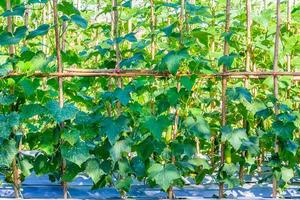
(212, 50)
(275, 78)
(248, 63)
(224, 88)
(288, 24)
(152, 27)
(176, 118)
(15, 170)
(60, 84)
(114, 21)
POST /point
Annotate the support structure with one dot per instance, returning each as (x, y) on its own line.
(275, 79)
(224, 88)
(60, 83)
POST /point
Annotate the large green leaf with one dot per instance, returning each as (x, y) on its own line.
(93, 170)
(234, 136)
(156, 125)
(7, 38)
(227, 60)
(283, 130)
(78, 154)
(69, 111)
(67, 8)
(79, 20)
(163, 175)
(16, 11)
(41, 30)
(7, 123)
(31, 110)
(173, 58)
(37, 1)
(8, 152)
(198, 127)
(287, 174)
(120, 147)
(113, 127)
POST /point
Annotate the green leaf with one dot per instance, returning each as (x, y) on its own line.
(199, 162)
(187, 82)
(7, 100)
(113, 127)
(37, 1)
(69, 111)
(31, 110)
(283, 130)
(127, 4)
(67, 8)
(157, 125)
(93, 170)
(173, 58)
(202, 36)
(163, 175)
(234, 136)
(8, 152)
(292, 147)
(79, 20)
(123, 95)
(41, 30)
(16, 11)
(132, 61)
(7, 123)
(120, 147)
(227, 60)
(287, 174)
(7, 38)
(26, 166)
(130, 37)
(77, 154)
(71, 136)
(198, 127)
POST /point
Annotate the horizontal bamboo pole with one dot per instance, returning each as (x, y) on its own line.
(136, 73)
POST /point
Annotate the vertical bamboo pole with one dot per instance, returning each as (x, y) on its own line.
(9, 28)
(275, 78)
(152, 27)
(288, 24)
(115, 34)
(60, 83)
(248, 63)
(212, 50)
(11, 51)
(224, 88)
(176, 118)
(44, 49)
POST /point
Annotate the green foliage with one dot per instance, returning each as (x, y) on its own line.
(117, 130)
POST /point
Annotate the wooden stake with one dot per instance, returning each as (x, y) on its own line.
(275, 78)
(11, 51)
(224, 88)
(60, 83)
(152, 26)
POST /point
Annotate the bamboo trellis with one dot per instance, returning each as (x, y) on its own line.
(223, 76)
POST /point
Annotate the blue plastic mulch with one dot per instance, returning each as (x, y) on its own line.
(41, 188)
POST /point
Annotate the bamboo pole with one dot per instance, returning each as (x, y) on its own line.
(288, 24)
(224, 88)
(248, 64)
(11, 50)
(275, 79)
(60, 84)
(152, 27)
(158, 74)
